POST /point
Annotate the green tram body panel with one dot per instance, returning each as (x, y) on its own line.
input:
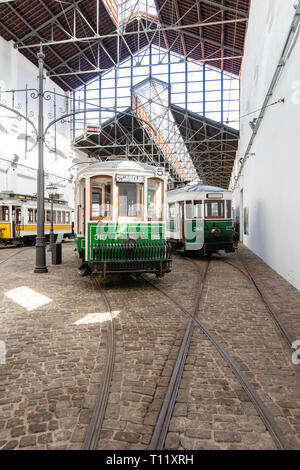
(226, 231)
(196, 226)
(107, 233)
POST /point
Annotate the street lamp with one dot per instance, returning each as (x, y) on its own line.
(52, 193)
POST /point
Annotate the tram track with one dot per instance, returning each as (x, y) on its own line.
(14, 254)
(95, 426)
(162, 426)
(248, 275)
(269, 307)
(165, 415)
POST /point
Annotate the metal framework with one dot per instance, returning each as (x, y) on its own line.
(149, 85)
(84, 40)
(79, 40)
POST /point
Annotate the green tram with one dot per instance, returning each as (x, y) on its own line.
(120, 226)
(200, 219)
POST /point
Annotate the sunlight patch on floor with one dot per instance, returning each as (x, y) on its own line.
(27, 298)
(96, 318)
(2, 352)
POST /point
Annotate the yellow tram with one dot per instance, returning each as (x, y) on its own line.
(18, 218)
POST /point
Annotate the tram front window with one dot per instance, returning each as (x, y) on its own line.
(214, 209)
(100, 197)
(131, 200)
(155, 199)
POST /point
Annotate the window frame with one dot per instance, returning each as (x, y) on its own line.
(206, 217)
(134, 219)
(198, 202)
(110, 217)
(229, 203)
(169, 212)
(160, 219)
(28, 218)
(8, 216)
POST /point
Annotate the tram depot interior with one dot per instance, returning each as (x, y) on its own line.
(149, 225)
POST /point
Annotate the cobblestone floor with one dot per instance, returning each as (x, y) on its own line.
(233, 311)
(51, 367)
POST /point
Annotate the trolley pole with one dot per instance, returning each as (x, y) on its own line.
(40, 264)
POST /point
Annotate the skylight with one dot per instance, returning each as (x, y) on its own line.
(129, 8)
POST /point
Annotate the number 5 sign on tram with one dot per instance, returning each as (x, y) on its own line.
(160, 172)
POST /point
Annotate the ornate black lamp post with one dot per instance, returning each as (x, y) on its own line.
(40, 264)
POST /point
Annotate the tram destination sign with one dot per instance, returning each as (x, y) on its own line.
(129, 178)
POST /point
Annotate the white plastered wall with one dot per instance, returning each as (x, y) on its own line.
(15, 73)
(269, 185)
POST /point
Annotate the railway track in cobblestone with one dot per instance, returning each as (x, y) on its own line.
(272, 312)
(262, 296)
(14, 254)
(95, 426)
(165, 415)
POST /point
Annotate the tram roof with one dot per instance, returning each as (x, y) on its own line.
(121, 164)
(198, 188)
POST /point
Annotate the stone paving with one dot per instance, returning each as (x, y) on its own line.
(234, 312)
(49, 360)
(53, 367)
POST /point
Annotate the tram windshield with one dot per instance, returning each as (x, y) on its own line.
(131, 200)
(155, 199)
(214, 209)
(100, 197)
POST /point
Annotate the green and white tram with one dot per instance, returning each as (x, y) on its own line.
(120, 218)
(200, 219)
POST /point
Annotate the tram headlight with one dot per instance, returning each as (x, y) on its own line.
(216, 232)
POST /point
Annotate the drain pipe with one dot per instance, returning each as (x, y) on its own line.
(288, 47)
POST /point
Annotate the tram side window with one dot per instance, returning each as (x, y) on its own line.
(48, 216)
(100, 197)
(228, 209)
(58, 217)
(155, 199)
(30, 216)
(18, 216)
(189, 209)
(172, 211)
(5, 214)
(197, 209)
(54, 217)
(131, 200)
(67, 217)
(214, 209)
(63, 217)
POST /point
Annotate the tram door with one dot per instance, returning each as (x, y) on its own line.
(181, 212)
(16, 221)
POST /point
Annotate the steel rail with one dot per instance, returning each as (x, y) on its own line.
(165, 415)
(260, 407)
(272, 312)
(95, 426)
(14, 254)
